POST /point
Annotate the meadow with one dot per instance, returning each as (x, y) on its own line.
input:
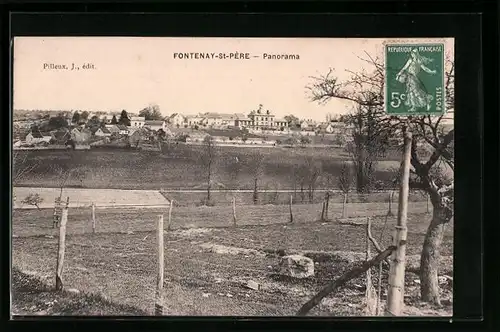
(208, 260)
(179, 166)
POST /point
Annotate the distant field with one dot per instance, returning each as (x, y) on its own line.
(179, 166)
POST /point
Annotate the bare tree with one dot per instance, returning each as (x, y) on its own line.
(345, 180)
(234, 167)
(313, 170)
(208, 158)
(66, 172)
(366, 90)
(301, 174)
(255, 163)
(22, 165)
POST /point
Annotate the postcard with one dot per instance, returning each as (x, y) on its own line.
(232, 176)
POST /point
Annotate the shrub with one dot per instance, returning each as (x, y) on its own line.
(33, 199)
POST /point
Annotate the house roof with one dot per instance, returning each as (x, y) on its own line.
(174, 115)
(105, 130)
(122, 127)
(137, 118)
(60, 134)
(154, 123)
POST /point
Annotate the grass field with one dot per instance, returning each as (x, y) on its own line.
(207, 261)
(179, 166)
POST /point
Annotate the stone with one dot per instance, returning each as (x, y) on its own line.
(253, 285)
(73, 291)
(445, 279)
(296, 266)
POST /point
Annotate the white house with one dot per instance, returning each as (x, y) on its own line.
(280, 123)
(305, 124)
(177, 120)
(193, 120)
(137, 121)
(325, 128)
(35, 137)
(155, 125)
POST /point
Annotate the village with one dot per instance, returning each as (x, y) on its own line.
(146, 130)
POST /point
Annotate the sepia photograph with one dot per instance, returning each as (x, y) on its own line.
(201, 176)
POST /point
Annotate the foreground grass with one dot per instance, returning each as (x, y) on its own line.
(206, 268)
(31, 296)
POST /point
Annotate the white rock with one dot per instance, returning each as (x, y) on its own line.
(444, 279)
(229, 295)
(253, 285)
(296, 266)
(417, 281)
(73, 291)
(206, 294)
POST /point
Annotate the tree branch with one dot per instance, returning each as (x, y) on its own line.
(355, 272)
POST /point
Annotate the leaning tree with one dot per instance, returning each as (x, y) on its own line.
(432, 157)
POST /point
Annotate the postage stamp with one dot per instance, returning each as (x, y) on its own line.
(414, 79)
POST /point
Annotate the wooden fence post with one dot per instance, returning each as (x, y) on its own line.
(169, 227)
(323, 210)
(291, 213)
(234, 211)
(343, 205)
(159, 277)
(60, 249)
(327, 204)
(395, 294)
(93, 217)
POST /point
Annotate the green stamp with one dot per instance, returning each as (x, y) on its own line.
(414, 79)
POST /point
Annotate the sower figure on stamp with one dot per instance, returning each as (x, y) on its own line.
(416, 93)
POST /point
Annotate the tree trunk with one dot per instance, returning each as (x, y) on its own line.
(429, 261)
(209, 179)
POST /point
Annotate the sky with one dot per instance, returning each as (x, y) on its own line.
(132, 72)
